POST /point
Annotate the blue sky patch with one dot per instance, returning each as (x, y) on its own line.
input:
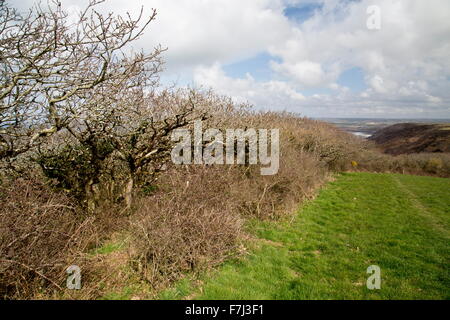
(354, 79)
(258, 67)
(302, 13)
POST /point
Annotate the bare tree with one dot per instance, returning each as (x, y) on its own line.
(51, 71)
(126, 145)
(145, 147)
(99, 101)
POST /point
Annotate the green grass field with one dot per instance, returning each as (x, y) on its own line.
(397, 222)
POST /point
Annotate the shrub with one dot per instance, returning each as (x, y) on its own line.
(41, 231)
(194, 218)
(434, 165)
(190, 224)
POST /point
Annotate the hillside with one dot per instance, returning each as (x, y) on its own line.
(397, 222)
(404, 138)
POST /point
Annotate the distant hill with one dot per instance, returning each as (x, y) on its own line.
(413, 138)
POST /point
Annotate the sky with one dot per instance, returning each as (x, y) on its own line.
(317, 58)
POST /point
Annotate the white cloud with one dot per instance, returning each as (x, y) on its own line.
(268, 95)
(199, 32)
(406, 64)
(306, 72)
(203, 31)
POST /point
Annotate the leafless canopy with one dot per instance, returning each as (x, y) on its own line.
(54, 67)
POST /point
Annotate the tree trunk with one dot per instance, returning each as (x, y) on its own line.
(129, 192)
(91, 196)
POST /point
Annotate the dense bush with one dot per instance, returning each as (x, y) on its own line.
(434, 164)
(40, 231)
(195, 218)
(185, 218)
(191, 223)
(98, 142)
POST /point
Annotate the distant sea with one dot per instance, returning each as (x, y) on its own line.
(365, 127)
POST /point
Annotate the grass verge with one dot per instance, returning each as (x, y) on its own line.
(398, 222)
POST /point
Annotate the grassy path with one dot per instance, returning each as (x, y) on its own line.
(400, 223)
